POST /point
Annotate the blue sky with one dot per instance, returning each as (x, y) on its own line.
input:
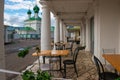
(15, 11)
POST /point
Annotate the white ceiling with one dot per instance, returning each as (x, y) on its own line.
(69, 11)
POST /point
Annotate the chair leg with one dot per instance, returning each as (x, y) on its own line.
(75, 69)
(116, 71)
(64, 71)
(71, 52)
(43, 59)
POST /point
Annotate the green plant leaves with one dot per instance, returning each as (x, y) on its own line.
(41, 75)
(37, 49)
(118, 78)
(23, 53)
(28, 75)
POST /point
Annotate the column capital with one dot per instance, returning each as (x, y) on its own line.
(44, 4)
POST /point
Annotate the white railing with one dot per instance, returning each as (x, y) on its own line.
(18, 73)
(9, 71)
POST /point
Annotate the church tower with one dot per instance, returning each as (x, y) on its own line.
(36, 11)
(29, 14)
(33, 22)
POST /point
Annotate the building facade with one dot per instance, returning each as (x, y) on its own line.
(32, 25)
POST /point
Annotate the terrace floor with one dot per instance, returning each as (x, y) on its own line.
(85, 66)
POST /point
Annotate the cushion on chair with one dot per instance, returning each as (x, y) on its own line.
(55, 59)
(68, 48)
(68, 62)
(45, 67)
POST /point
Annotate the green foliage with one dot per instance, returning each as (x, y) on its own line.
(37, 49)
(118, 78)
(41, 75)
(28, 75)
(23, 53)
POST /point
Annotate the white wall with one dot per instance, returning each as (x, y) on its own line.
(2, 53)
(36, 25)
(87, 34)
(107, 23)
(90, 13)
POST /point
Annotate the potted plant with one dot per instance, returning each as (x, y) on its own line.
(118, 78)
(23, 52)
(28, 75)
(37, 49)
(40, 75)
(43, 75)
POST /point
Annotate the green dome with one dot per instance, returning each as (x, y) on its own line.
(36, 9)
(29, 11)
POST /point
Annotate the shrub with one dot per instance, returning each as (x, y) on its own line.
(23, 53)
(41, 75)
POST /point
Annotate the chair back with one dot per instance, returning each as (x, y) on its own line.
(71, 46)
(59, 46)
(100, 68)
(76, 51)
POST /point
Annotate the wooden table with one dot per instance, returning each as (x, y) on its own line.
(113, 59)
(53, 53)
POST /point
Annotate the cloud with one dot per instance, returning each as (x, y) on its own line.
(14, 20)
(16, 0)
(15, 11)
(19, 4)
(16, 7)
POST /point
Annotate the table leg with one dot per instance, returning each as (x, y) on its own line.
(60, 63)
(43, 59)
(39, 62)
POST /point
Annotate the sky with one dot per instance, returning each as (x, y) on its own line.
(15, 11)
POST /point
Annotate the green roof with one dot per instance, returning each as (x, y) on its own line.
(33, 18)
(27, 29)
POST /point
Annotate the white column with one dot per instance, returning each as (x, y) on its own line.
(57, 30)
(6, 34)
(65, 33)
(2, 53)
(45, 29)
(82, 38)
(87, 35)
(97, 30)
(61, 31)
